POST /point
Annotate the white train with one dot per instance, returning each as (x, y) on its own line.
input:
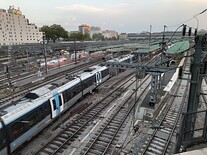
(29, 115)
(26, 117)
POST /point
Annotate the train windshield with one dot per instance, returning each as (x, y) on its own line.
(31, 96)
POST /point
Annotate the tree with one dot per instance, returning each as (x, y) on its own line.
(54, 32)
(79, 36)
(86, 36)
(98, 36)
(76, 36)
(48, 33)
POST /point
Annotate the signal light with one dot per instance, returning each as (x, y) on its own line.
(189, 31)
(184, 30)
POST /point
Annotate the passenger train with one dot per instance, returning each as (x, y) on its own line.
(27, 116)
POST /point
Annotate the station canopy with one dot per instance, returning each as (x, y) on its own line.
(149, 49)
(178, 47)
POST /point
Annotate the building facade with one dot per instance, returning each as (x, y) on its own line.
(16, 29)
(95, 30)
(122, 36)
(84, 28)
(110, 34)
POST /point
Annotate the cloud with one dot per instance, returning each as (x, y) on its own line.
(80, 7)
(73, 19)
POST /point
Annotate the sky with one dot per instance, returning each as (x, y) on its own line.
(119, 15)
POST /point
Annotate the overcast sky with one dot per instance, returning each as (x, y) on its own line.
(119, 15)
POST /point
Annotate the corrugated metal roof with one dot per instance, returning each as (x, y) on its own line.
(148, 50)
(178, 47)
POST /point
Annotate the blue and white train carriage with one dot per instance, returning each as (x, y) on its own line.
(32, 113)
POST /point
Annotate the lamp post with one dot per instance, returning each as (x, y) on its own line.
(196, 15)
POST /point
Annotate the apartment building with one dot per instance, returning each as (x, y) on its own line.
(16, 29)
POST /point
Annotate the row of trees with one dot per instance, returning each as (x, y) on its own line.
(54, 32)
(57, 32)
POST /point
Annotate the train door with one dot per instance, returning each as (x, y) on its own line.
(98, 77)
(57, 105)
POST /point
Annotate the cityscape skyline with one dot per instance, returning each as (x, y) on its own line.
(119, 15)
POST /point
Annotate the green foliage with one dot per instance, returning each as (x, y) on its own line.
(98, 36)
(54, 32)
(79, 36)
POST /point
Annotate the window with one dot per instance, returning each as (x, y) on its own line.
(88, 82)
(23, 124)
(60, 101)
(2, 139)
(26, 122)
(54, 104)
(104, 73)
(65, 96)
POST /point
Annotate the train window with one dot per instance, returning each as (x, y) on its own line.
(26, 122)
(105, 73)
(65, 96)
(79, 89)
(70, 94)
(54, 104)
(84, 83)
(23, 124)
(60, 101)
(44, 110)
(2, 139)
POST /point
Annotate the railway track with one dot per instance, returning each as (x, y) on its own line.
(46, 80)
(166, 125)
(105, 140)
(72, 131)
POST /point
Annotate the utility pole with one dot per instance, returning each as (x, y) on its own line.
(28, 59)
(7, 69)
(150, 36)
(163, 43)
(45, 54)
(75, 50)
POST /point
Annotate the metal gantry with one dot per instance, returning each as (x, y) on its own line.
(154, 70)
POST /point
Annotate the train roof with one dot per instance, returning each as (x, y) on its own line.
(121, 58)
(38, 96)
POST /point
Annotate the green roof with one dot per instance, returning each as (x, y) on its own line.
(178, 47)
(148, 50)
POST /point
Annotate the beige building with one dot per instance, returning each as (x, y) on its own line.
(110, 34)
(123, 36)
(16, 29)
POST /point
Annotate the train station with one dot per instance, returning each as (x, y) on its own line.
(92, 93)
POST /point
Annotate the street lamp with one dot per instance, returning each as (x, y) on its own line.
(195, 16)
